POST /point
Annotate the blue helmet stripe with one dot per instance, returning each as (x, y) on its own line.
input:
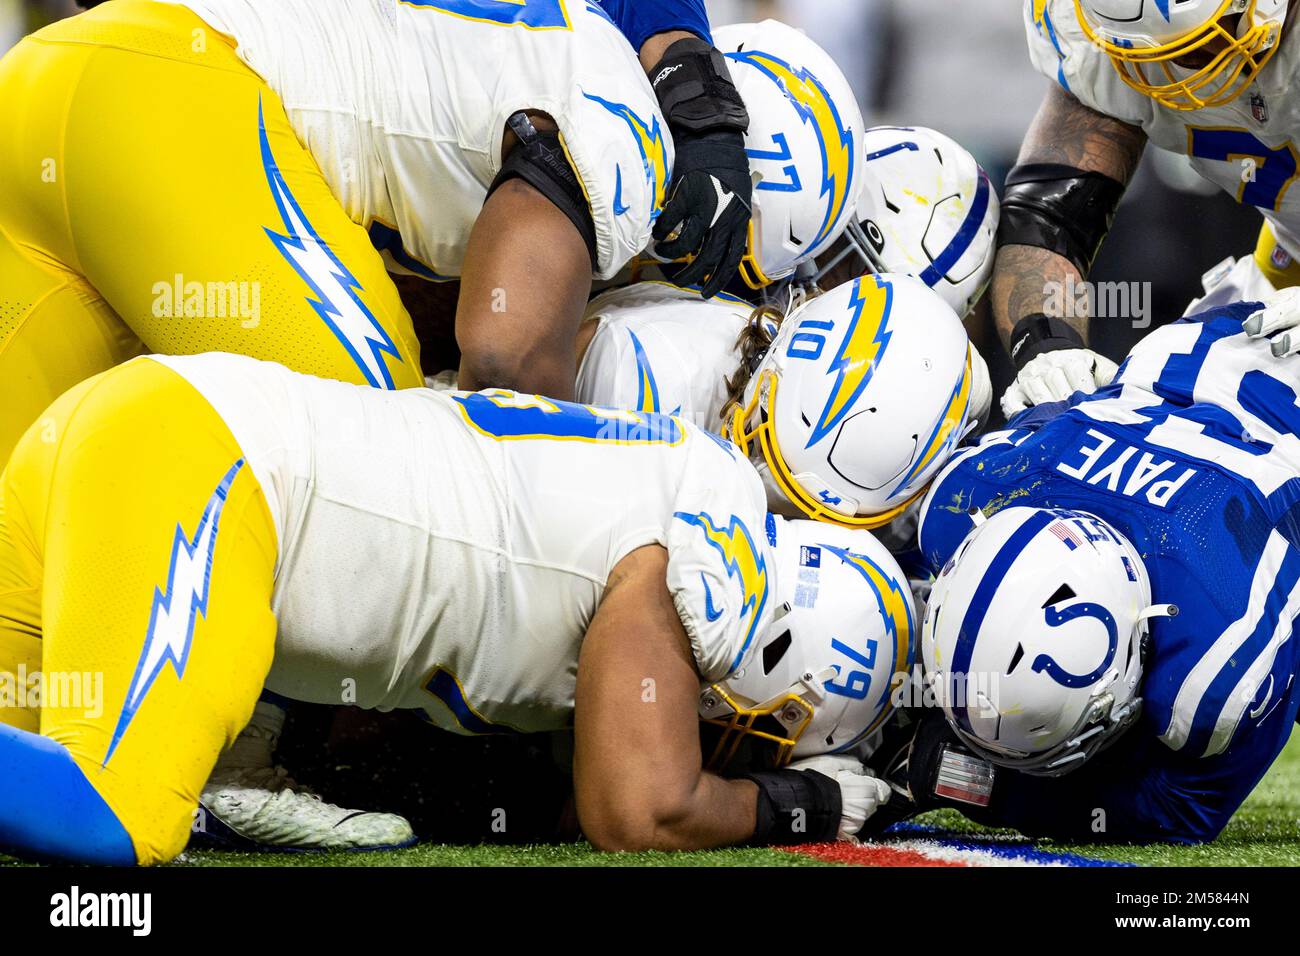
(965, 236)
(982, 600)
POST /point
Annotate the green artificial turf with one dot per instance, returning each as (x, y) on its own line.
(1265, 832)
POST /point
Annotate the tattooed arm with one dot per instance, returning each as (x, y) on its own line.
(1069, 133)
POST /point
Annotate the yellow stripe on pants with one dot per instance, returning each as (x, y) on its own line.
(133, 515)
(144, 164)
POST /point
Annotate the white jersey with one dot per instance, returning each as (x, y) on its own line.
(661, 348)
(1232, 280)
(446, 551)
(1248, 147)
(404, 106)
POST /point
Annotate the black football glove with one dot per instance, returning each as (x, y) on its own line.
(708, 210)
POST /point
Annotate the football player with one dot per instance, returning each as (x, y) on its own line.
(201, 526)
(241, 174)
(1118, 578)
(1210, 79)
(711, 189)
(805, 146)
(707, 214)
(657, 347)
(875, 380)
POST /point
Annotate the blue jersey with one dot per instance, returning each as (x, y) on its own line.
(641, 19)
(1194, 454)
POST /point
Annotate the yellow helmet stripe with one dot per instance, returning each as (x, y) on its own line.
(861, 349)
(895, 609)
(816, 107)
(947, 430)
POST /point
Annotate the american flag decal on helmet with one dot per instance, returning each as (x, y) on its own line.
(1063, 532)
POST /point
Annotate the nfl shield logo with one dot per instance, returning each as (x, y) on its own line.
(1258, 108)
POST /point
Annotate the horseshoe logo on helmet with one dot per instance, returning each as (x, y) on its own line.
(1045, 663)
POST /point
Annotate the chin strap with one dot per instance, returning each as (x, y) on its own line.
(1158, 610)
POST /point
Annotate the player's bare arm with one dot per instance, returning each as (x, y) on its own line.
(1064, 133)
(653, 50)
(637, 772)
(526, 280)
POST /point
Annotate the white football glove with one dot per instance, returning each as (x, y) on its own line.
(981, 388)
(444, 381)
(1278, 321)
(861, 792)
(1055, 376)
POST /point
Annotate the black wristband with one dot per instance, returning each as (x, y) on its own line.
(696, 91)
(796, 806)
(1039, 333)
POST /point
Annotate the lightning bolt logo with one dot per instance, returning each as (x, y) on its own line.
(654, 151)
(743, 562)
(176, 606)
(817, 109)
(335, 288)
(947, 431)
(864, 345)
(647, 388)
(895, 608)
(1039, 13)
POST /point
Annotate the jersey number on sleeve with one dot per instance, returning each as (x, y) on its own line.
(1266, 173)
(532, 14)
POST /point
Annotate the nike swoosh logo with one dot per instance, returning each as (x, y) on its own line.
(619, 208)
(709, 611)
(725, 198)
(1264, 703)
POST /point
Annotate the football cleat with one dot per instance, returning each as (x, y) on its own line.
(249, 803)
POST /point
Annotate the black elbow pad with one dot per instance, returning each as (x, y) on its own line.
(1065, 210)
(540, 161)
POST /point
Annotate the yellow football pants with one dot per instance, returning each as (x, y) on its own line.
(154, 192)
(137, 545)
(1275, 262)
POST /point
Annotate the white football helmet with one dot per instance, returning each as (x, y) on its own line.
(804, 144)
(1034, 635)
(861, 399)
(844, 636)
(927, 209)
(1144, 38)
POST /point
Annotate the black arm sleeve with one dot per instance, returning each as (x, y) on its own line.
(1059, 208)
(540, 161)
